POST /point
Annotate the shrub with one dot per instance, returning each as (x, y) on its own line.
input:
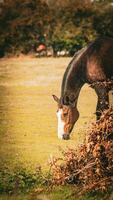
(89, 167)
(19, 180)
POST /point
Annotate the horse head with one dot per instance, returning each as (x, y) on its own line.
(67, 115)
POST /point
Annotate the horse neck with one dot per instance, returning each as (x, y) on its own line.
(72, 83)
(74, 76)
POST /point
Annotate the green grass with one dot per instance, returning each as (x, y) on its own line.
(57, 193)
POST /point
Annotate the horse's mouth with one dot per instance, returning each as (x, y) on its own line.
(66, 136)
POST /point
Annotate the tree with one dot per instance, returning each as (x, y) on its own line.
(22, 24)
(68, 24)
(103, 20)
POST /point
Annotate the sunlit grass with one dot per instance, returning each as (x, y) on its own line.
(28, 127)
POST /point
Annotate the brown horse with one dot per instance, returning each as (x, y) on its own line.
(93, 65)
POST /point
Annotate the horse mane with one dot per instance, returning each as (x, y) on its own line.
(75, 62)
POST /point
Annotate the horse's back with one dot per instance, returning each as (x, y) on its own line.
(100, 59)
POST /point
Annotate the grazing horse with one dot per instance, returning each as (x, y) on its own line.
(92, 65)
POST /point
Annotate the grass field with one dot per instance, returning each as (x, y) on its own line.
(28, 124)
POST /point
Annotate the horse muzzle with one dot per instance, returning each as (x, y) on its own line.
(66, 136)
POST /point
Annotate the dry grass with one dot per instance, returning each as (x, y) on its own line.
(28, 124)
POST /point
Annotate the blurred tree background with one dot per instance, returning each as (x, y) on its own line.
(62, 24)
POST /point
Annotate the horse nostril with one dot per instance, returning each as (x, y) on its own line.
(66, 137)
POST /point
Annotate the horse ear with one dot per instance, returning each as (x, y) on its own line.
(56, 98)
